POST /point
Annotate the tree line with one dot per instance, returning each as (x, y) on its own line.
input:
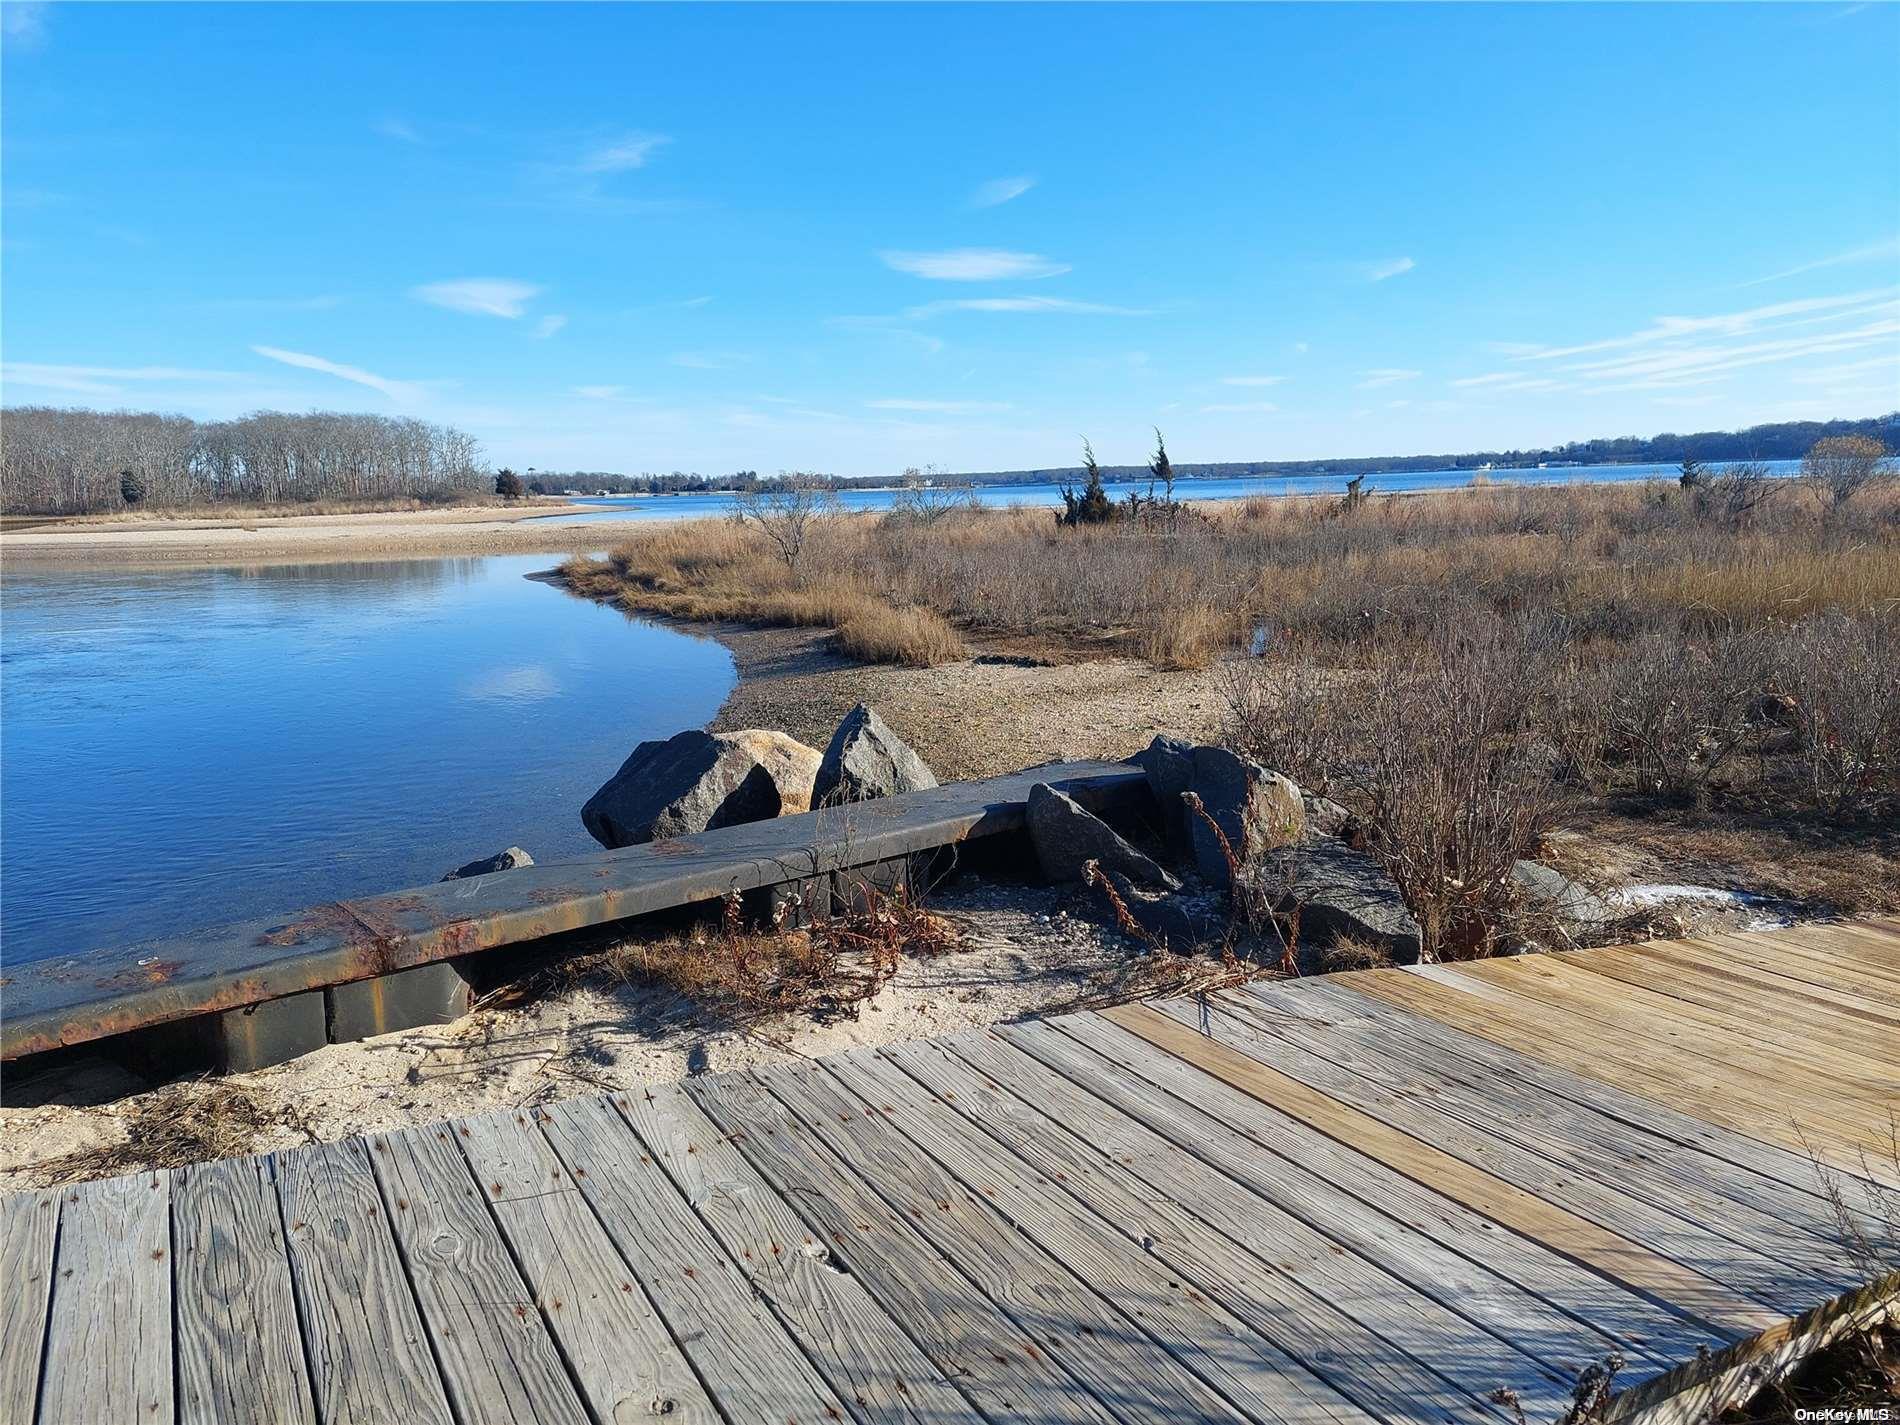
(60, 461)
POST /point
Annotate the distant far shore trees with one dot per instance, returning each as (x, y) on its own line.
(58, 461)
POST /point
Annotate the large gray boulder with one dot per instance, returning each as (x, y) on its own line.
(509, 860)
(1576, 909)
(699, 781)
(1168, 763)
(865, 759)
(1067, 838)
(1340, 892)
(1256, 809)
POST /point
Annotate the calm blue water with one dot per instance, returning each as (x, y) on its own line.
(188, 747)
(631, 507)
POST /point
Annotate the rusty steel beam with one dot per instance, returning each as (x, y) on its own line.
(48, 1003)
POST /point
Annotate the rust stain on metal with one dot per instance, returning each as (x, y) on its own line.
(145, 972)
(329, 919)
(674, 846)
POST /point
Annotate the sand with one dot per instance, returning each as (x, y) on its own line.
(400, 533)
(1026, 950)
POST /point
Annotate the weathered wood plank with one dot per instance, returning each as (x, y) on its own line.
(1843, 960)
(1572, 1314)
(752, 1366)
(109, 1342)
(70, 999)
(1807, 1105)
(993, 1356)
(239, 1350)
(364, 1344)
(1499, 1199)
(1745, 1040)
(1722, 965)
(623, 1358)
(861, 1351)
(497, 1360)
(1715, 1158)
(1376, 1340)
(1797, 1024)
(1124, 1365)
(29, 1222)
(1666, 1200)
(1668, 1079)
(1746, 1272)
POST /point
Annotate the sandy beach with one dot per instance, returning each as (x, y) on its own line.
(397, 533)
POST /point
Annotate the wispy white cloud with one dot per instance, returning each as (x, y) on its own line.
(102, 380)
(480, 296)
(1389, 267)
(1664, 329)
(549, 325)
(1240, 408)
(403, 392)
(1251, 380)
(1387, 376)
(618, 155)
(973, 264)
(942, 408)
(391, 127)
(999, 191)
(23, 22)
(1887, 249)
(1022, 304)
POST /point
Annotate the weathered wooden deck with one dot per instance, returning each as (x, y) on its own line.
(1377, 1196)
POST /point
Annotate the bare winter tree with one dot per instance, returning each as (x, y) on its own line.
(927, 496)
(59, 461)
(785, 510)
(1841, 466)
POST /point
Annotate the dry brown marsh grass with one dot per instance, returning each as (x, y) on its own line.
(1614, 561)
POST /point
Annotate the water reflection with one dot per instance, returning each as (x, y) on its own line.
(185, 747)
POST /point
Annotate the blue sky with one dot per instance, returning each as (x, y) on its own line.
(854, 239)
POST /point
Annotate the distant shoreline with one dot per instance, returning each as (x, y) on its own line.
(391, 534)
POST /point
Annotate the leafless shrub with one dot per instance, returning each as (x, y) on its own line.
(928, 498)
(1733, 496)
(1290, 713)
(1841, 466)
(1679, 708)
(1843, 674)
(784, 511)
(1450, 801)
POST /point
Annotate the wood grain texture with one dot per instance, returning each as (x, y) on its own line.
(1261, 1375)
(625, 1361)
(1342, 1318)
(988, 1352)
(1064, 1306)
(1385, 1215)
(1571, 1159)
(864, 1354)
(29, 1222)
(498, 1363)
(740, 1349)
(1497, 1198)
(109, 1341)
(239, 1350)
(364, 1346)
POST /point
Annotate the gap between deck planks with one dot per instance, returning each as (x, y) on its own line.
(1377, 1197)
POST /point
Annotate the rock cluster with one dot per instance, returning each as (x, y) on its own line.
(700, 781)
